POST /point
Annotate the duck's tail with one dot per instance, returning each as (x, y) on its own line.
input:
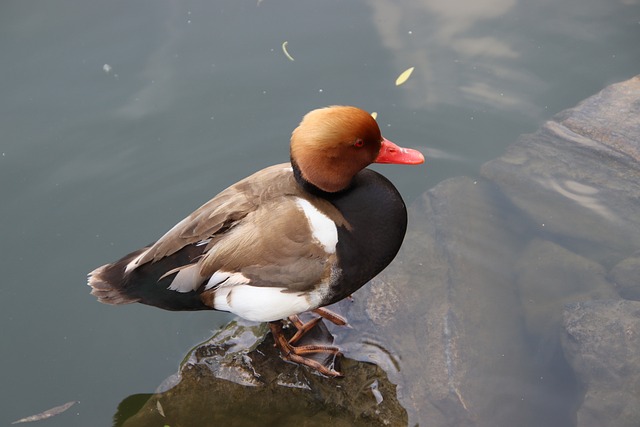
(149, 283)
(109, 282)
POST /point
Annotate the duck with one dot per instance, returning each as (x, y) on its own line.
(288, 239)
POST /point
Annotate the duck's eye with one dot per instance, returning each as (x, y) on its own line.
(359, 143)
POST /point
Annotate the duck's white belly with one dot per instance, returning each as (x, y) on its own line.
(264, 304)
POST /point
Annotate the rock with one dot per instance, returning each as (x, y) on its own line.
(577, 177)
(626, 277)
(548, 277)
(237, 379)
(602, 345)
(611, 119)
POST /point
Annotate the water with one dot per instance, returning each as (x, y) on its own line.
(120, 118)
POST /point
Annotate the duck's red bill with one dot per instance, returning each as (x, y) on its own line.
(391, 153)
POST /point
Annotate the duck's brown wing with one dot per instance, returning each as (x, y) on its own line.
(222, 212)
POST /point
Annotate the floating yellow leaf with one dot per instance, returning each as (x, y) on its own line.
(374, 115)
(404, 76)
(286, 53)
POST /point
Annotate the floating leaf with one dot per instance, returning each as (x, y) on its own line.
(286, 52)
(404, 76)
(46, 414)
(374, 115)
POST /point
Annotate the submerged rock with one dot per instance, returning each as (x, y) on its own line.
(602, 346)
(549, 276)
(577, 177)
(626, 277)
(487, 266)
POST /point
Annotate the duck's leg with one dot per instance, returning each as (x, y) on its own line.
(303, 328)
(296, 354)
(331, 316)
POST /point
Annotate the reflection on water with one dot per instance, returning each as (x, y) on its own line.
(119, 119)
(440, 38)
(472, 53)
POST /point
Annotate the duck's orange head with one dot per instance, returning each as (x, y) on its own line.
(333, 144)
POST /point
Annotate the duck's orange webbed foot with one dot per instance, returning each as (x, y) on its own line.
(298, 354)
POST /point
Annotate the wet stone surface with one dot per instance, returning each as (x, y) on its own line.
(239, 376)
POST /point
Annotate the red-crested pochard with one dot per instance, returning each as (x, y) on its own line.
(290, 238)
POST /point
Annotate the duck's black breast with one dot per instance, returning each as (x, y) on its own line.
(377, 217)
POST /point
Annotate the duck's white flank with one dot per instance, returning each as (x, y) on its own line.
(323, 228)
(263, 304)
